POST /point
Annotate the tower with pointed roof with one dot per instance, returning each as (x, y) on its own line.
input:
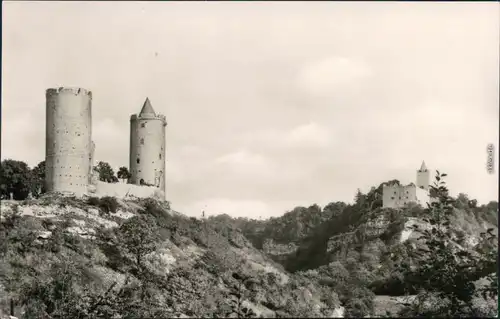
(423, 177)
(147, 147)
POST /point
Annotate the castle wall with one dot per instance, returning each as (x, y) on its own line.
(400, 195)
(147, 150)
(391, 196)
(123, 190)
(68, 139)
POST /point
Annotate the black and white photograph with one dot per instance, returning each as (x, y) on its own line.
(249, 159)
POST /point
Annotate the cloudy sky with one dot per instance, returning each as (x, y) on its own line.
(269, 105)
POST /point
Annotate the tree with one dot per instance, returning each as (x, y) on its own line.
(462, 201)
(444, 274)
(106, 173)
(15, 178)
(333, 209)
(359, 198)
(492, 206)
(139, 237)
(123, 173)
(38, 179)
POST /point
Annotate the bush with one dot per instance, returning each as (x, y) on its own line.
(15, 179)
(107, 204)
(445, 274)
(392, 286)
(359, 302)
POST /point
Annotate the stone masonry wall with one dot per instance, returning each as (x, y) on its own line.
(68, 139)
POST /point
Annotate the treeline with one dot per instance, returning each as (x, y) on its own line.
(302, 225)
(19, 180)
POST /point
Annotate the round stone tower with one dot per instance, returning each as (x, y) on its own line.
(147, 147)
(68, 144)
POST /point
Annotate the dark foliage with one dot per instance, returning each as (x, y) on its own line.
(444, 274)
(15, 178)
(107, 204)
(106, 173)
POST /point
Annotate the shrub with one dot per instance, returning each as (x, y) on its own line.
(392, 286)
(358, 302)
(445, 274)
(107, 204)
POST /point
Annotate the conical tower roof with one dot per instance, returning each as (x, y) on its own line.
(147, 109)
(423, 168)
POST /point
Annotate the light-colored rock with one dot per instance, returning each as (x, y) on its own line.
(338, 312)
(122, 214)
(44, 234)
(80, 231)
(161, 261)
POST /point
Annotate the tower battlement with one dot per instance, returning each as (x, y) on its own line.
(161, 117)
(70, 90)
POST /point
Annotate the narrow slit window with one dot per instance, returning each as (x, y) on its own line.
(142, 141)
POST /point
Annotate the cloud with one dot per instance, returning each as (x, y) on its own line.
(328, 76)
(311, 135)
(242, 157)
(107, 133)
(22, 129)
(246, 163)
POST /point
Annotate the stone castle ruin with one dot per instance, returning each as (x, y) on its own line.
(397, 196)
(69, 150)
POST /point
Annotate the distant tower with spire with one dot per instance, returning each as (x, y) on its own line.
(147, 147)
(423, 177)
